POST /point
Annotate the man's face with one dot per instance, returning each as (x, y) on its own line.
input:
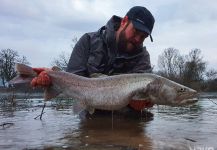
(130, 39)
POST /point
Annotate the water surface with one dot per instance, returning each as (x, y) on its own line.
(191, 127)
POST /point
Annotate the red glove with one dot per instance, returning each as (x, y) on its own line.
(42, 79)
(138, 105)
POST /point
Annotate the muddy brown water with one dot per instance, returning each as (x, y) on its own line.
(192, 127)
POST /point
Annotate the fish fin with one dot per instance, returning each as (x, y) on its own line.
(91, 110)
(23, 69)
(50, 93)
(20, 79)
(55, 68)
(140, 95)
(78, 106)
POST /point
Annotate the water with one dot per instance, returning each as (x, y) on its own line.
(60, 128)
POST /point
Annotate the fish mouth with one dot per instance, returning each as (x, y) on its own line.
(189, 101)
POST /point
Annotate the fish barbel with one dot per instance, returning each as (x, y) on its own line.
(111, 92)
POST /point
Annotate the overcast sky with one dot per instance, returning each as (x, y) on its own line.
(42, 29)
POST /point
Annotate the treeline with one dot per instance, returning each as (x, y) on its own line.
(190, 70)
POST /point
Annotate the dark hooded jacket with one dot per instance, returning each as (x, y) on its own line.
(97, 52)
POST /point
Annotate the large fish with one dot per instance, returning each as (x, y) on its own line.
(111, 92)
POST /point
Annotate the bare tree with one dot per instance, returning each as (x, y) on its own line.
(8, 58)
(74, 41)
(170, 63)
(195, 67)
(62, 60)
(23, 60)
(211, 74)
(211, 80)
(180, 67)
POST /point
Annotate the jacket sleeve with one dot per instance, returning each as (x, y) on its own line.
(78, 60)
(143, 64)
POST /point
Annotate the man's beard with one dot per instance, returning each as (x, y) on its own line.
(122, 43)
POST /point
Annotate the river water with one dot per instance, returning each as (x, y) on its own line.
(192, 127)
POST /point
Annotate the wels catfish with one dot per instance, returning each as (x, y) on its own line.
(111, 92)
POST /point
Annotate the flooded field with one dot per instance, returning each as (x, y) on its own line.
(193, 127)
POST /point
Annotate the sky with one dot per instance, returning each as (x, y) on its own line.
(42, 29)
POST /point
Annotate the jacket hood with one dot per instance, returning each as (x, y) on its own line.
(113, 23)
(109, 33)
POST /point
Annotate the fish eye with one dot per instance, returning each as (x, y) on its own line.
(182, 90)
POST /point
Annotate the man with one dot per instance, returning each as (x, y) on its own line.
(115, 48)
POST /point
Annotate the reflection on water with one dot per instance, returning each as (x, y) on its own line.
(60, 128)
(119, 131)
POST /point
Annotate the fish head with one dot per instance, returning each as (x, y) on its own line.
(163, 91)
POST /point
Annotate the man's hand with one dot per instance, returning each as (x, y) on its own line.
(42, 79)
(138, 105)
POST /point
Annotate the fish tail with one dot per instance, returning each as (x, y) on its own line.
(23, 69)
(25, 74)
